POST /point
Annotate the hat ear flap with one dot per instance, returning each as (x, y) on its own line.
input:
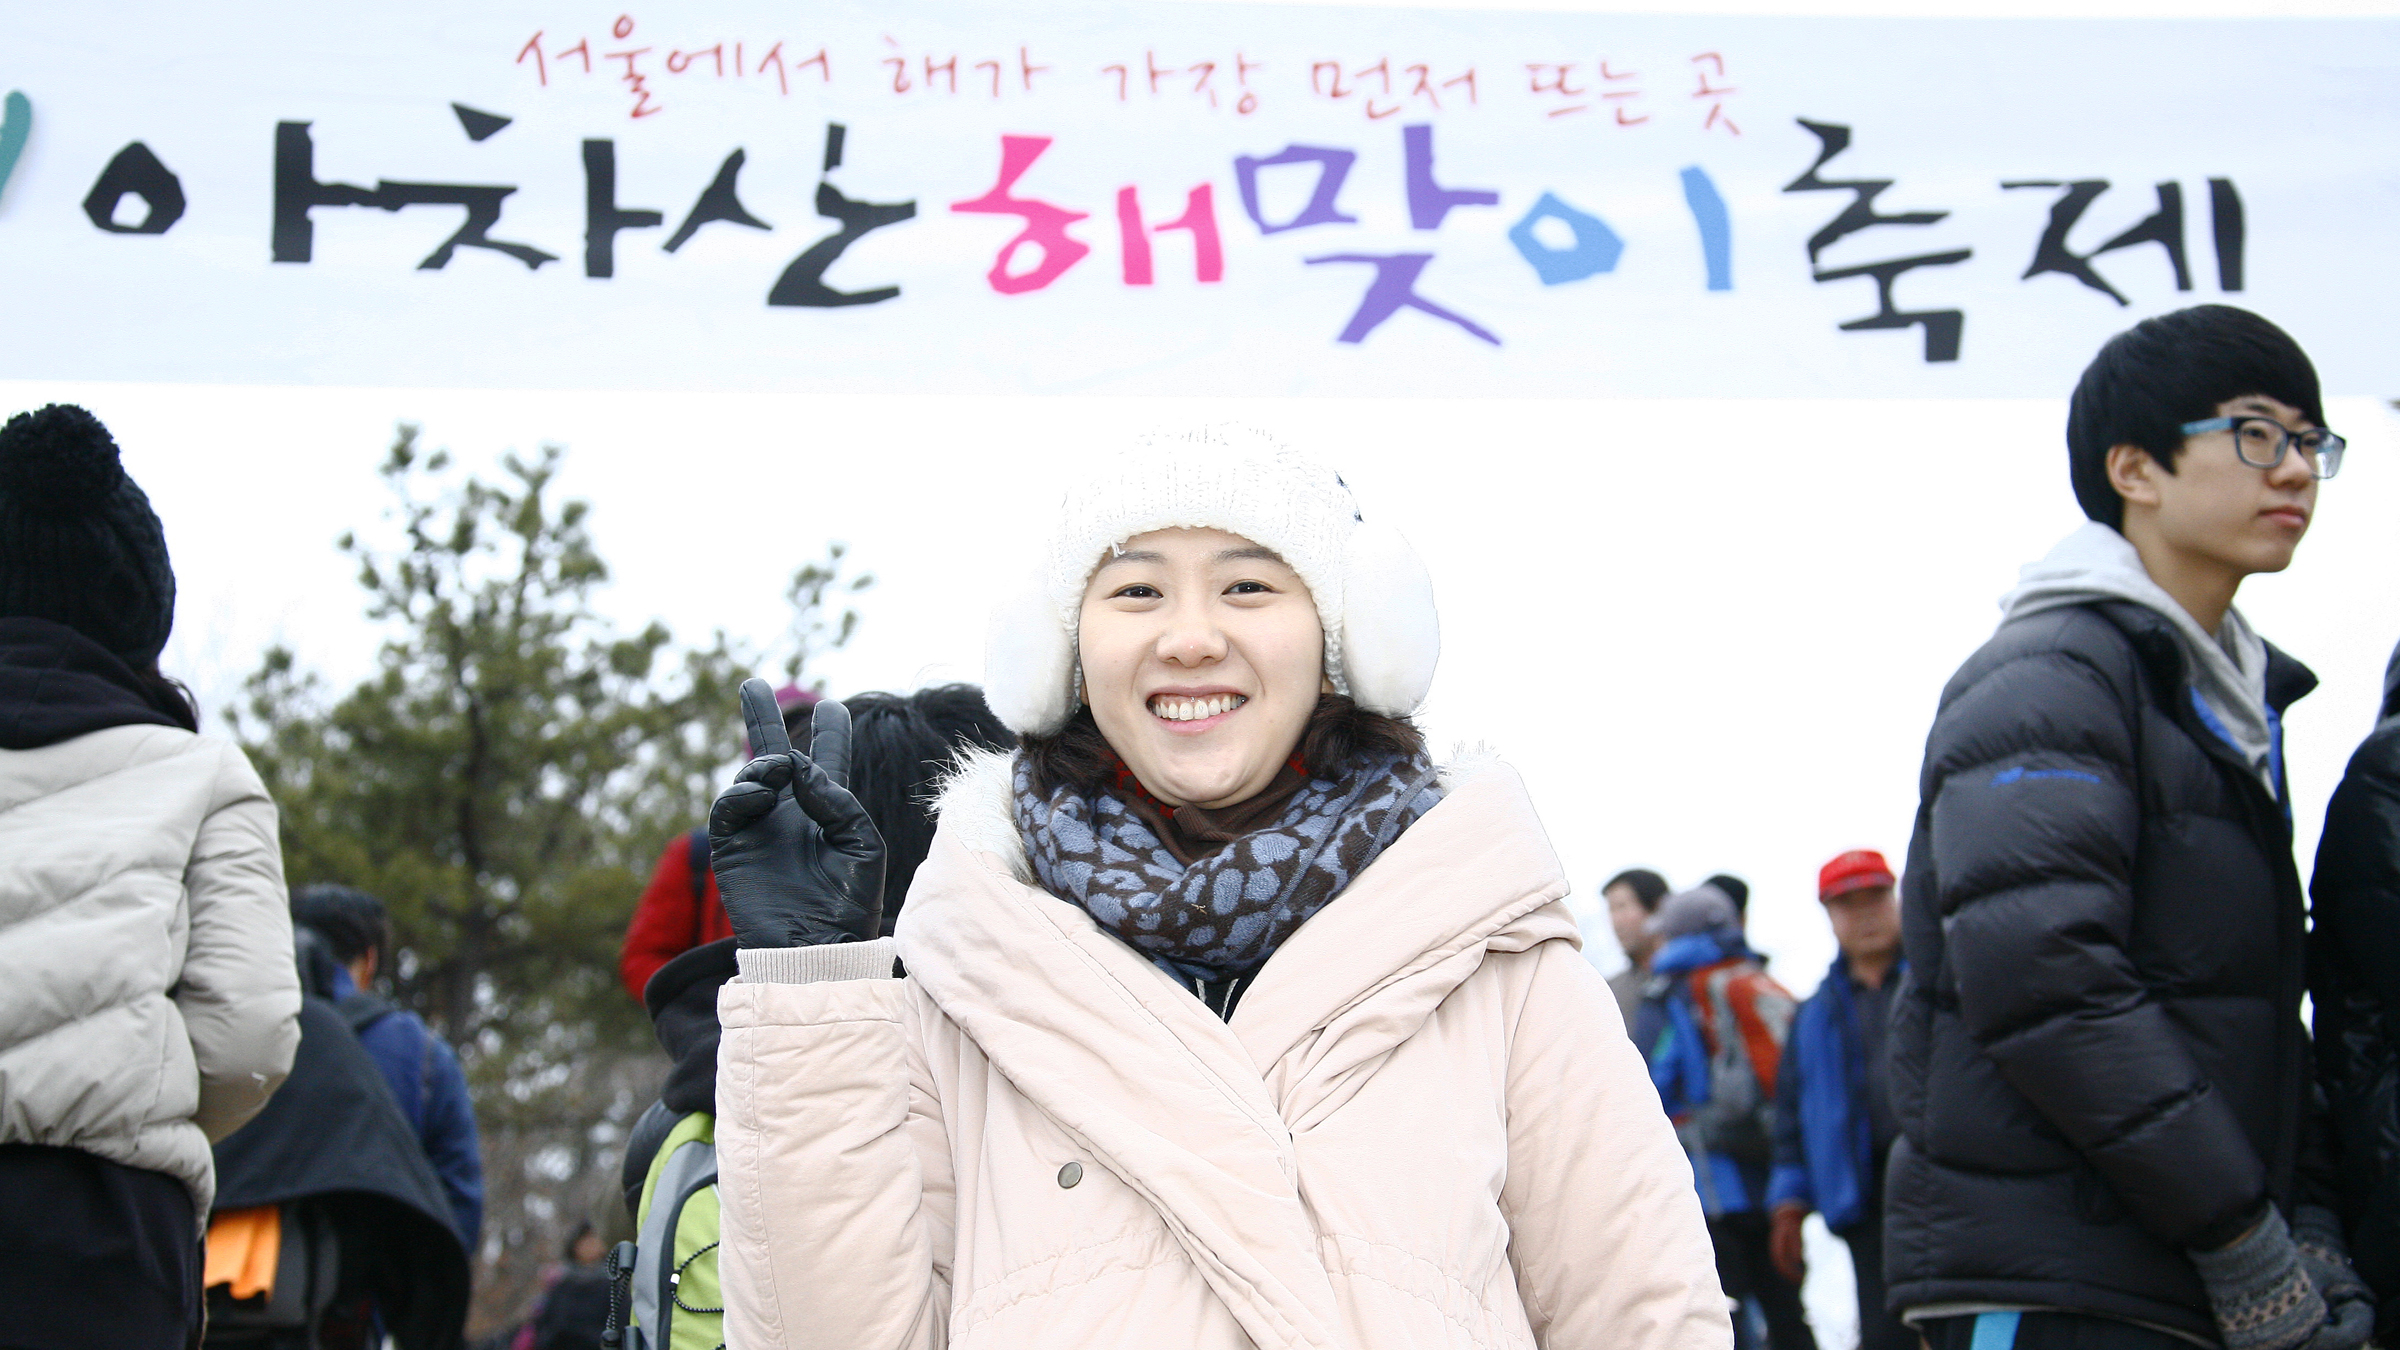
(1391, 633)
(1029, 660)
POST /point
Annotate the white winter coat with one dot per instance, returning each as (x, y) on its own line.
(148, 1000)
(1423, 1127)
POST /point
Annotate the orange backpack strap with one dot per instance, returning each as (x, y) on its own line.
(1706, 1003)
(1763, 1010)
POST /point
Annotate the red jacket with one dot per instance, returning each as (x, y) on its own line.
(673, 916)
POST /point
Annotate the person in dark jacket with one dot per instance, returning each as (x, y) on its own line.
(1834, 1125)
(573, 1313)
(361, 1227)
(2355, 983)
(420, 1067)
(2097, 1056)
(1713, 1027)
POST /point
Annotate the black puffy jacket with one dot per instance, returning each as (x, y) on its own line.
(2097, 1055)
(2354, 975)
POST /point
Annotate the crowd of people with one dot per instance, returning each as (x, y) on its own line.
(1784, 1105)
(1165, 990)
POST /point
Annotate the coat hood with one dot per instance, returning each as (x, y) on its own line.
(332, 1133)
(2227, 668)
(1195, 1113)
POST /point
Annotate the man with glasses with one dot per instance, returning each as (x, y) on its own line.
(2098, 1063)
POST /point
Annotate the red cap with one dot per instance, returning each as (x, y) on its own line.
(1855, 870)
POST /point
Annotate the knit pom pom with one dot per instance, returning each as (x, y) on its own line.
(59, 461)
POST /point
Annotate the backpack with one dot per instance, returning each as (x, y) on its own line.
(666, 1279)
(301, 1304)
(1738, 1119)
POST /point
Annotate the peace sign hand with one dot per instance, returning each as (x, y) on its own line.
(797, 860)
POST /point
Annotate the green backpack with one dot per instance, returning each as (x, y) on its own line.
(676, 1301)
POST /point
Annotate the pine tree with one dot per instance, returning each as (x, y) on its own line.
(504, 781)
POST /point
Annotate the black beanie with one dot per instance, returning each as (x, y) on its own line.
(79, 544)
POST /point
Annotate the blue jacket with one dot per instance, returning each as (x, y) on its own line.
(1679, 1063)
(1823, 1144)
(431, 1090)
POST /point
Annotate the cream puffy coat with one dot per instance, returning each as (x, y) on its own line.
(148, 1001)
(1423, 1127)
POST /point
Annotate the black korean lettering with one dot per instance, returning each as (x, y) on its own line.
(2227, 230)
(803, 283)
(1860, 214)
(2163, 227)
(297, 193)
(603, 219)
(135, 172)
(1944, 328)
(483, 212)
(720, 200)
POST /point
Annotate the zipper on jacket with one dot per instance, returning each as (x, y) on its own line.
(1221, 996)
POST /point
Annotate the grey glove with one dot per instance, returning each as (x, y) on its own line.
(2262, 1297)
(2349, 1304)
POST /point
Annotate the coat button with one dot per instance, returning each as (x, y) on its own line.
(1070, 1174)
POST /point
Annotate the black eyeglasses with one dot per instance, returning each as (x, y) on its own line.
(2262, 442)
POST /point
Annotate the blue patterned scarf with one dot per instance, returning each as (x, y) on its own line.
(1224, 915)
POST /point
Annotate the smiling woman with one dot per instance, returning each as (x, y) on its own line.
(1228, 1020)
(1207, 715)
(1202, 659)
(1213, 733)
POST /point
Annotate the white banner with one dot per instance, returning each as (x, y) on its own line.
(1176, 199)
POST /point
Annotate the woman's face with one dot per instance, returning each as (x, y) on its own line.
(1202, 660)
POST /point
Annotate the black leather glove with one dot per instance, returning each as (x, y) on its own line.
(797, 860)
(2349, 1304)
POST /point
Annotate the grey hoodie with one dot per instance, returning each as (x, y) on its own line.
(2228, 668)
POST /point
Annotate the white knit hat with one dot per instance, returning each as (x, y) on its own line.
(1372, 594)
